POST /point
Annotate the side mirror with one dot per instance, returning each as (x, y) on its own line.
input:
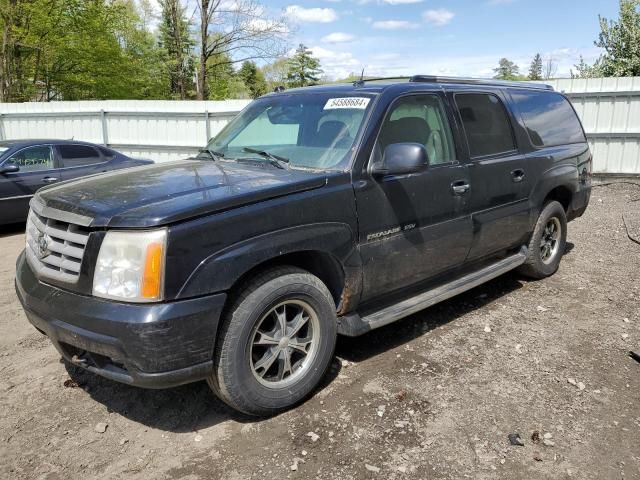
(402, 159)
(9, 167)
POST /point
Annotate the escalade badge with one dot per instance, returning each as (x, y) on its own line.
(43, 245)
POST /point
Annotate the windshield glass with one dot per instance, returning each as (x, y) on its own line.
(314, 130)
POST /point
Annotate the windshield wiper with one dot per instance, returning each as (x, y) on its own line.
(277, 160)
(212, 153)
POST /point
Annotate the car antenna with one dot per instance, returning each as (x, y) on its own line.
(360, 82)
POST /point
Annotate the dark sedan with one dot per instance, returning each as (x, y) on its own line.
(27, 165)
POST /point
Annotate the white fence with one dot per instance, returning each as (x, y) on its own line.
(160, 130)
(167, 130)
(610, 111)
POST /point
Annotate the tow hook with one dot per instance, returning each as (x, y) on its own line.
(79, 361)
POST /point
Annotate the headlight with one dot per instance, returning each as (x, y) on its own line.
(130, 266)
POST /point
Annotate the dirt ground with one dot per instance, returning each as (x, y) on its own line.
(432, 397)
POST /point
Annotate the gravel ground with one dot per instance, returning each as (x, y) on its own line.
(432, 397)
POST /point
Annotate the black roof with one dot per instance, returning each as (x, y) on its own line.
(377, 85)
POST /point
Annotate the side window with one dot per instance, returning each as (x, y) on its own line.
(33, 159)
(78, 155)
(486, 124)
(549, 118)
(420, 119)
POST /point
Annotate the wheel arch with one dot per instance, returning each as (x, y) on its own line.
(323, 265)
(562, 194)
(327, 251)
(558, 183)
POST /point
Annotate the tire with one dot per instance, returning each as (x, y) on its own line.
(251, 373)
(547, 246)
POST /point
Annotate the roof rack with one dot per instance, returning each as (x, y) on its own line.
(477, 81)
(361, 81)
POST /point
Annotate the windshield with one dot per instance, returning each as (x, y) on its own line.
(314, 130)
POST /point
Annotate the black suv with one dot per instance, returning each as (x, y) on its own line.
(316, 212)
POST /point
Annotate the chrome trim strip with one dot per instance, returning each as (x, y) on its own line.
(59, 215)
(17, 197)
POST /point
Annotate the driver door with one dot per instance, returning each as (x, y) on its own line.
(414, 227)
(37, 168)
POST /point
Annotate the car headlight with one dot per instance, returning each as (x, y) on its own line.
(130, 266)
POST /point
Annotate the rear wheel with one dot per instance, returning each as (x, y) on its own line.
(548, 242)
(276, 342)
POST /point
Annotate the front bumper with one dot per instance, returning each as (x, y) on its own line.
(148, 345)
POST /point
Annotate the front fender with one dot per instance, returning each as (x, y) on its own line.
(222, 269)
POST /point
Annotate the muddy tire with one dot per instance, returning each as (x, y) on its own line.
(275, 343)
(548, 242)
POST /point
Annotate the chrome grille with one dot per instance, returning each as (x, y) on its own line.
(55, 248)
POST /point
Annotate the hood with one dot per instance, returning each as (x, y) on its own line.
(161, 194)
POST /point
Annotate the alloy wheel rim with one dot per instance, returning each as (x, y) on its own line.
(284, 343)
(550, 241)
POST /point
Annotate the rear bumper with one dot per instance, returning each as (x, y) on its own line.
(153, 346)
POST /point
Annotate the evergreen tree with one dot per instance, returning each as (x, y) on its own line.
(304, 69)
(223, 82)
(253, 79)
(507, 70)
(177, 44)
(535, 71)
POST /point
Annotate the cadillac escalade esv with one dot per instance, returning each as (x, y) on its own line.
(315, 212)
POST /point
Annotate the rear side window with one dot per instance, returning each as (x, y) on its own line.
(486, 124)
(78, 155)
(549, 118)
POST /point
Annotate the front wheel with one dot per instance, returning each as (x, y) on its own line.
(548, 242)
(276, 342)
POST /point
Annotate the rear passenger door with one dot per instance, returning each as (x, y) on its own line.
(500, 183)
(80, 161)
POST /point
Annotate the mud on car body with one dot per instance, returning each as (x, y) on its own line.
(316, 212)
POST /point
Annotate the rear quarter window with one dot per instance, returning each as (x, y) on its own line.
(549, 118)
(486, 124)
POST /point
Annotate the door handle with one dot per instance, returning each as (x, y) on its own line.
(517, 175)
(460, 187)
(50, 179)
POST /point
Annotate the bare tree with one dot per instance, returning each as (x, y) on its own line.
(233, 31)
(550, 68)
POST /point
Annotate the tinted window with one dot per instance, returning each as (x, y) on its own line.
(420, 119)
(78, 155)
(549, 118)
(33, 159)
(486, 124)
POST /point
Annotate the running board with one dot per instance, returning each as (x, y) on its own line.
(352, 325)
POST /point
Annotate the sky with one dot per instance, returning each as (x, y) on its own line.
(442, 37)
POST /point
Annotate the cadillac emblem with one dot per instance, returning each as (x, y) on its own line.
(42, 245)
